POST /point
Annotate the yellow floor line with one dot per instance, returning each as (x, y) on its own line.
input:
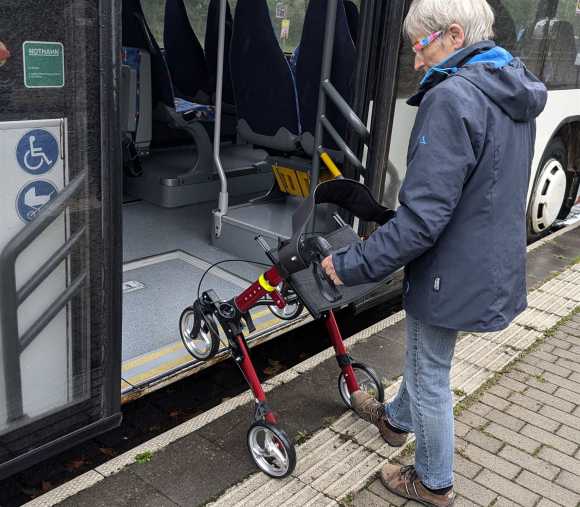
(175, 346)
(169, 365)
(137, 379)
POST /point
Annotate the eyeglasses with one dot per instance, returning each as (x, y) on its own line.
(421, 44)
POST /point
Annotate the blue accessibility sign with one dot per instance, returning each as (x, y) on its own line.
(33, 197)
(37, 151)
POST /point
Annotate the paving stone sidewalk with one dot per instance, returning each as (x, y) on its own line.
(518, 438)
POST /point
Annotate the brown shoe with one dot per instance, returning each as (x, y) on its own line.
(403, 481)
(373, 411)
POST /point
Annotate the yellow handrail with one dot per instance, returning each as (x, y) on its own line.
(328, 162)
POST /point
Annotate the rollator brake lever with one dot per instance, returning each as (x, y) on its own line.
(314, 250)
(267, 249)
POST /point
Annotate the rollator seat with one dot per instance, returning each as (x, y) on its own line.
(353, 197)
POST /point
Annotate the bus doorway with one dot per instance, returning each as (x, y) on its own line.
(177, 219)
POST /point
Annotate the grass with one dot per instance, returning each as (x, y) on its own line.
(301, 437)
(347, 500)
(144, 457)
(410, 449)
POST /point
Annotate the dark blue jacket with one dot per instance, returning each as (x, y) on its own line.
(461, 227)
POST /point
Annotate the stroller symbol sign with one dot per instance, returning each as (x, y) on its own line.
(33, 197)
(37, 152)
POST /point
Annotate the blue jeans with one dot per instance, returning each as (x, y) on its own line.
(424, 404)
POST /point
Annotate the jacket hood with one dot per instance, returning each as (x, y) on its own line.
(501, 77)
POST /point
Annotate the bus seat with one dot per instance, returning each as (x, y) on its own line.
(211, 49)
(136, 34)
(164, 103)
(352, 16)
(264, 90)
(184, 55)
(308, 70)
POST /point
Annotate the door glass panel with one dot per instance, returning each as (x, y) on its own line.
(55, 297)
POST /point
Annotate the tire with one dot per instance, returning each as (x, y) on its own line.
(551, 189)
(263, 436)
(368, 380)
(199, 336)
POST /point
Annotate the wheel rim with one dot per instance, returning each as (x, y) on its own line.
(200, 345)
(268, 451)
(290, 311)
(549, 194)
(365, 382)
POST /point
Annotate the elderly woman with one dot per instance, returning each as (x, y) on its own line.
(460, 230)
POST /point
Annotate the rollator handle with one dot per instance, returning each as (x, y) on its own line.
(314, 250)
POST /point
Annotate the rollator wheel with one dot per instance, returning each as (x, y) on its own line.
(292, 309)
(289, 312)
(271, 449)
(368, 381)
(199, 333)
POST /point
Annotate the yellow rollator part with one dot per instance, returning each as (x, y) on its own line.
(265, 285)
(328, 162)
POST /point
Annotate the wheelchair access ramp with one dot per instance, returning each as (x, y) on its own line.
(205, 460)
(166, 252)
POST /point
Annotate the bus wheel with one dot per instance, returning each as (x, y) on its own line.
(549, 192)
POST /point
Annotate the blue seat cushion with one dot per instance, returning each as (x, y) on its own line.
(200, 112)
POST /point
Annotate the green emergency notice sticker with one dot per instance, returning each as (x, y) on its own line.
(43, 64)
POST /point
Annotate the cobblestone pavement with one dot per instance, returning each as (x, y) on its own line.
(518, 439)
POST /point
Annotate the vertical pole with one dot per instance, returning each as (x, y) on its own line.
(10, 339)
(112, 197)
(223, 197)
(327, 53)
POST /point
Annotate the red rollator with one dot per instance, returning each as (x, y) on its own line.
(296, 279)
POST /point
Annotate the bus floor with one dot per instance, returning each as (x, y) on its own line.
(165, 254)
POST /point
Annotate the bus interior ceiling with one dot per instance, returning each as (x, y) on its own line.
(171, 184)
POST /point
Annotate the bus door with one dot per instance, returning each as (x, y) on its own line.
(59, 258)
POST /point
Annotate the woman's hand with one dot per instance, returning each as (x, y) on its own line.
(328, 267)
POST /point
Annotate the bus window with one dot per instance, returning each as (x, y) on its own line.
(196, 10)
(544, 34)
(155, 12)
(548, 44)
(287, 18)
(505, 26)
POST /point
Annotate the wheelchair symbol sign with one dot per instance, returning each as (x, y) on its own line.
(37, 152)
(33, 197)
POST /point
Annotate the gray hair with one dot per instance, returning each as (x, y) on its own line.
(426, 16)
